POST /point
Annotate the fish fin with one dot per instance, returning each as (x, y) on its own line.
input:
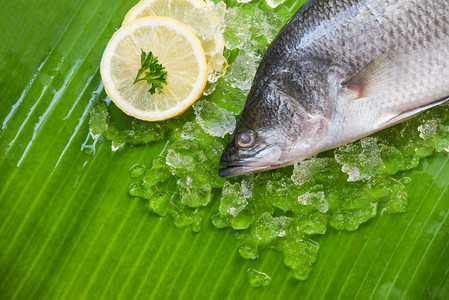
(404, 116)
(378, 75)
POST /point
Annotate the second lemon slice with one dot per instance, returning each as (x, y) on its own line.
(198, 16)
(178, 50)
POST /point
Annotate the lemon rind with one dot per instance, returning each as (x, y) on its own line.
(131, 14)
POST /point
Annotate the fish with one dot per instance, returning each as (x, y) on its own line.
(340, 70)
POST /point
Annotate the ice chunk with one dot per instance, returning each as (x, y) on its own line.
(268, 228)
(314, 199)
(178, 161)
(277, 192)
(266, 24)
(137, 170)
(160, 172)
(300, 253)
(351, 219)
(138, 189)
(360, 160)
(119, 140)
(241, 72)
(428, 130)
(193, 131)
(160, 203)
(217, 66)
(221, 221)
(143, 132)
(243, 28)
(209, 30)
(214, 120)
(185, 217)
(315, 223)
(237, 29)
(140, 133)
(228, 97)
(98, 122)
(308, 170)
(199, 162)
(274, 3)
(247, 186)
(193, 193)
(235, 197)
(390, 191)
(219, 10)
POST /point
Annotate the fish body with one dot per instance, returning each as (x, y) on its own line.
(340, 70)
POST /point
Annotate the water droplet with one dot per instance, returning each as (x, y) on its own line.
(135, 189)
(249, 251)
(137, 170)
(406, 180)
(88, 147)
(258, 278)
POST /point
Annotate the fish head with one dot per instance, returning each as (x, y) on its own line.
(274, 130)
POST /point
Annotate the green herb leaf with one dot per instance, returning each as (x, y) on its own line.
(154, 72)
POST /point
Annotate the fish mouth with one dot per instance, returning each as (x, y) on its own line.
(243, 170)
(267, 159)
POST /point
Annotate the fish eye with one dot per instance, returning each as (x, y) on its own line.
(246, 138)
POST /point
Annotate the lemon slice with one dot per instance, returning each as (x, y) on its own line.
(199, 17)
(178, 50)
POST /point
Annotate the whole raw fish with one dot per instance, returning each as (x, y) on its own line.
(340, 70)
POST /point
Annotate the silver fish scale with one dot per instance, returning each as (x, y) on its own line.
(335, 32)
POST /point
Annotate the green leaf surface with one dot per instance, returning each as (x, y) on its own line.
(69, 229)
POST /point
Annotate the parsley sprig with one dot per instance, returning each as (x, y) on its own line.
(155, 73)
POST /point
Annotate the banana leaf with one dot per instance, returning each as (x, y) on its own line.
(69, 229)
